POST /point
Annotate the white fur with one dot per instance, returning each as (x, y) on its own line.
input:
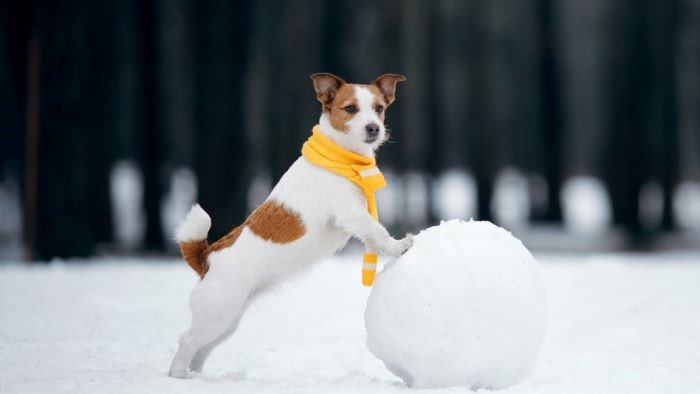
(195, 227)
(332, 209)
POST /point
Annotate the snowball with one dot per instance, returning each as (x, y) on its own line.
(464, 306)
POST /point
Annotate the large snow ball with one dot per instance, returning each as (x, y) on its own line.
(465, 306)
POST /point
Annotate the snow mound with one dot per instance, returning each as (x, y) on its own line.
(465, 306)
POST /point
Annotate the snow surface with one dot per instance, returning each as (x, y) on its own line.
(511, 199)
(10, 219)
(586, 205)
(617, 323)
(686, 205)
(126, 193)
(454, 195)
(465, 306)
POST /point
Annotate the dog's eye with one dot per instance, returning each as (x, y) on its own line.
(379, 109)
(351, 109)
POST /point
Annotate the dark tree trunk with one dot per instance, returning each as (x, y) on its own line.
(101, 147)
(151, 147)
(664, 36)
(62, 222)
(488, 108)
(550, 99)
(222, 156)
(15, 24)
(688, 82)
(644, 124)
(628, 80)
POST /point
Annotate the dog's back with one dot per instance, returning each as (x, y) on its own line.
(294, 223)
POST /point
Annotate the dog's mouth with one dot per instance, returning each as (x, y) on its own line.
(371, 140)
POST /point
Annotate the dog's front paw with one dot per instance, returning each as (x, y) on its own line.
(401, 246)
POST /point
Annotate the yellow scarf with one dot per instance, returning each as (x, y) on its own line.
(361, 170)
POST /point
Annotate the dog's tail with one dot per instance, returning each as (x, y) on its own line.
(191, 235)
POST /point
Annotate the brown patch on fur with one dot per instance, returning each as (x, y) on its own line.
(274, 222)
(226, 241)
(271, 221)
(194, 252)
(335, 94)
(338, 116)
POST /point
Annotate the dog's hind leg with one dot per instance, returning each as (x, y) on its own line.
(216, 309)
(203, 353)
(197, 363)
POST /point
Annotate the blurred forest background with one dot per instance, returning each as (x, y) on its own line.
(574, 123)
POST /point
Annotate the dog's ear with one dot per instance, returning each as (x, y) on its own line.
(387, 85)
(326, 85)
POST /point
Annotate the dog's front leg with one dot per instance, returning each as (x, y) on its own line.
(363, 226)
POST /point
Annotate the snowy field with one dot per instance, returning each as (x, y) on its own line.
(618, 324)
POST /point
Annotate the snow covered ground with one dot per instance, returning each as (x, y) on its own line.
(618, 323)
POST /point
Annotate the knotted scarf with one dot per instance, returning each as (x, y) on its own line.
(361, 170)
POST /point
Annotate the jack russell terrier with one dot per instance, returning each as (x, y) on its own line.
(324, 198)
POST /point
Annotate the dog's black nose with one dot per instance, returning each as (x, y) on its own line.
(372, 129)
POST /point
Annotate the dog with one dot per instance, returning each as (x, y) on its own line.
(310, 214)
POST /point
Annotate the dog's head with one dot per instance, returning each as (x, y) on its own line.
(353, 114)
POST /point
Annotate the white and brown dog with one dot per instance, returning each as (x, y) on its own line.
(310, 214)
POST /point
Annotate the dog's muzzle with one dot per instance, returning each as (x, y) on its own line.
(372, 130)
